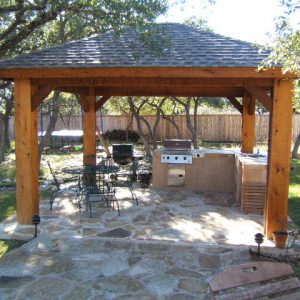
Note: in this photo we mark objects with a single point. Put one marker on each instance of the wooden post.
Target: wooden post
(89, 130)
(27, 167)
(276, 205)
(248, 124)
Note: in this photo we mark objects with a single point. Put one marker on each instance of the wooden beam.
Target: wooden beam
(154, 81)
(73, 90)
(204, 91)
(248, 124)
(207, 91)
(101, 102)
(144, 72)
(261, 95)
(236, 104)
(26, 130)
(252, 106)
(84, 103)
(89, 132)
(41, 93)
(276, 205)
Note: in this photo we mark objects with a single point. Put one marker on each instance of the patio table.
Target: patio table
(81, 170)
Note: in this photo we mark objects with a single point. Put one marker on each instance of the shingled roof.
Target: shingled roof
(185, 47)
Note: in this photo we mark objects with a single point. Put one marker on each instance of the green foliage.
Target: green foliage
(69, 105)
(34, 25)
(122, 135)
(294, 192)
(285, 48)
(7, 171)
(198, 23)
(8, 245)
(116, 105)
(7, 205)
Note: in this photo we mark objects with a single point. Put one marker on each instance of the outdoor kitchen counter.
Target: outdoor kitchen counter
(251, 182)
(212, 172)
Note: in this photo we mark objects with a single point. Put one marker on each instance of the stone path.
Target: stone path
(181, 216)
(103, 268)
(168, 247)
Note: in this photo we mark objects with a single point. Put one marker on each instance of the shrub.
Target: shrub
(122, 135)
(7, 172)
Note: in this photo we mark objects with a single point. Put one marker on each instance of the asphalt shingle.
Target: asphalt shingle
(184, 46)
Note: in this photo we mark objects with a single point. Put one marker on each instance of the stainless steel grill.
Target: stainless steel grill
(177, 152)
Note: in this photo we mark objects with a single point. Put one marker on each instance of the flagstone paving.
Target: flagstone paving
(167, 247)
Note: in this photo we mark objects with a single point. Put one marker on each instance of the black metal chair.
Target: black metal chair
(96, 188)
(125, 179)
(57, 184)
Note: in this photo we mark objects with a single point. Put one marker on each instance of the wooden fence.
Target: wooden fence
(216, 128)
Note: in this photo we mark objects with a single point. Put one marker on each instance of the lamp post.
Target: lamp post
(259, 238)
(35, 221)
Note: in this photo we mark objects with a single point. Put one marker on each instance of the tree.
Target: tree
(136, 113)
(285, 50)
(198, 23)
(21, 19)
(30, 25)
(190, 103)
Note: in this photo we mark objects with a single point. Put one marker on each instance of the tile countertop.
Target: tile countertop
(254, 159)
(257, 159)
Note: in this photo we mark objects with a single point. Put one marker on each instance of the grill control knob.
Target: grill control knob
(176, 157)
(184, 157)
(168, 157)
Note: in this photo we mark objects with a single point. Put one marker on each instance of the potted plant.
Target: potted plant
(280, 238)
(144, 174)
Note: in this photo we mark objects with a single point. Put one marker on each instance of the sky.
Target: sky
(248, 20)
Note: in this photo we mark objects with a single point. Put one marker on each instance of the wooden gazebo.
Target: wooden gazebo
(191, 63)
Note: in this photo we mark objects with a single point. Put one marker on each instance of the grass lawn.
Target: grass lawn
(294, 193)
(8, 208)
(7, 245)
(7, 204)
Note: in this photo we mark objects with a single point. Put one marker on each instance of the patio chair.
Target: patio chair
(97, 189)
(125, 179)
(57, 184)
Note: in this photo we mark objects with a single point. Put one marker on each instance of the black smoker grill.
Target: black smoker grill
(122, 153)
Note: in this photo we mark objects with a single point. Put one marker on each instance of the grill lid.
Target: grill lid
(122, 150)
(178, 145)
(123, 153)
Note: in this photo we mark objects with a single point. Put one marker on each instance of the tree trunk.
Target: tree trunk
(189, 123)
(2, 137)
(53, 119)
(139, 126)
(148, 127)
(196, 105)
(296, 147)
(173, 122)
(103, 142)
(7, 115)
(154, 133)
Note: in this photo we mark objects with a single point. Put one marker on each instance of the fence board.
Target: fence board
(215, 128)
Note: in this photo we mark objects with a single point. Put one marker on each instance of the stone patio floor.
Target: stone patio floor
(167, 247)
